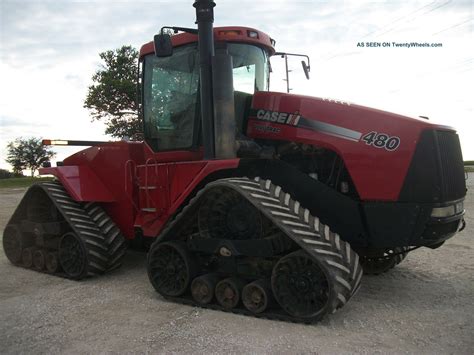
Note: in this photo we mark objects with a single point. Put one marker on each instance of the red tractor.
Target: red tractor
(258, 202)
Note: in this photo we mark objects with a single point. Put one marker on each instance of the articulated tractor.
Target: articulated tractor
(251, 201)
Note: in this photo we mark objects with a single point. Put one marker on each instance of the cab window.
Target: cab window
(171, 99)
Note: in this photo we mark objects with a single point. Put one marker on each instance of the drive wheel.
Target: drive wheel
(170, 268)
(72, 256)
(12, 243)
(226, 214)
(378, 263)
(300, 286)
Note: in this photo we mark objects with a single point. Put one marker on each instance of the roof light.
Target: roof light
(252, 34)
(230, 33)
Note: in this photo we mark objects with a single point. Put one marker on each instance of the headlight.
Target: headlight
(447, 211)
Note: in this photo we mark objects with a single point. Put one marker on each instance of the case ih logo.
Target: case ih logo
(291, 119)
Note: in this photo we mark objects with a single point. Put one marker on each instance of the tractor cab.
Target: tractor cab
(171, 105)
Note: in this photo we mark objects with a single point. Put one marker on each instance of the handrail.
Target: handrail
(129, 165)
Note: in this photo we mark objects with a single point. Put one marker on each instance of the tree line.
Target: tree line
(112, 98)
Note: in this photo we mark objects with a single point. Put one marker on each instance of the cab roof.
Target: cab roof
(225, 34)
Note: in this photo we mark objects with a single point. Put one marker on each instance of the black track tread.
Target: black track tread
(80, 223)
(334, 255)
(114, 239)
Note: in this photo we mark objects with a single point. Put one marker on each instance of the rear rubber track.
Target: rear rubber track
(101, 240)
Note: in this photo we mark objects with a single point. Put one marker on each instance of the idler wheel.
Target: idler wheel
(27, 257)
(39, 257)
(52, 262)
(257, 296)
(72, 256)
(170, 268)
(12, 243)
(225, 214)
(202, 288)
(228, 292)
(300, 286)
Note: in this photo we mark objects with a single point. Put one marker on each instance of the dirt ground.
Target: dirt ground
(425, 305)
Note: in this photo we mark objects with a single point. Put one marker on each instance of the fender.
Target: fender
(81, 183)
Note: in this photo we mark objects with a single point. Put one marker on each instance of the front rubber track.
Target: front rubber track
(333, 255)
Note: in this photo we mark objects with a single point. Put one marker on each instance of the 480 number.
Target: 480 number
(381, 140)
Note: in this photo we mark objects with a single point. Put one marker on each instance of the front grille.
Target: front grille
(436, 172)
(451, 166)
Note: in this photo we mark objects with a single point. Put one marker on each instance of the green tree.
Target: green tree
(112, 98)
(27, 153)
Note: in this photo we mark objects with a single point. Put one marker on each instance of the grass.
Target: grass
(469, 166)
(21, 182)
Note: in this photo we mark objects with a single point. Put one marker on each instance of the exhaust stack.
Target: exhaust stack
(217, 89)
(204, 20)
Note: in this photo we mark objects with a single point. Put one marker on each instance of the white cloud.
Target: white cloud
(49, 51)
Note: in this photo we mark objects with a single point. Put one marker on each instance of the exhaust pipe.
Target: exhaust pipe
(217, 88)
(204, 20)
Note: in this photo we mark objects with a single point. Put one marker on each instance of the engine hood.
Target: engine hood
(376, 146)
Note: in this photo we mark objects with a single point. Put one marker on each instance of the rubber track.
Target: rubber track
(114, 239)
(82, 224)
(328, 250)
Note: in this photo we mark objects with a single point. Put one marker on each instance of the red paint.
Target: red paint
(117, 175)
(240, 34)
(81, 183)
(378, 174)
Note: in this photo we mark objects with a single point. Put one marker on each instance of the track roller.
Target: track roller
(27, 257)
(39, 261)
(228, 292)
(257, 296)
(52, 262)
(202, 288)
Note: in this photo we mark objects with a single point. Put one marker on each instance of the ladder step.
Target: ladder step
(148, 209)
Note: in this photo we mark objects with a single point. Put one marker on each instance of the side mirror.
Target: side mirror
(305, 69)
(163, 46)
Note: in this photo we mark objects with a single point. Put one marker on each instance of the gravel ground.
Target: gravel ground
(425, 305)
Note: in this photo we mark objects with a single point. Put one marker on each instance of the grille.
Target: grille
(436, 172)
(451, 167)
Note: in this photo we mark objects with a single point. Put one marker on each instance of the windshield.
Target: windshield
(171, 87)
(250, 68)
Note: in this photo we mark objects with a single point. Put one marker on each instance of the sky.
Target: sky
(49, 52)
